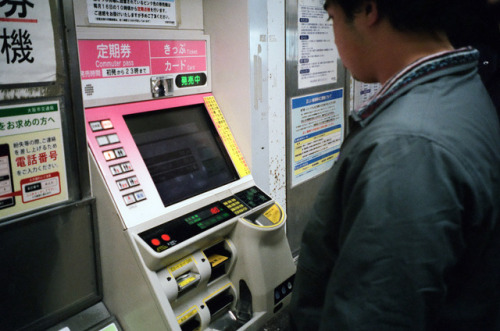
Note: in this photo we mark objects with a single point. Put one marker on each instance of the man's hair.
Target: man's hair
(406, 15)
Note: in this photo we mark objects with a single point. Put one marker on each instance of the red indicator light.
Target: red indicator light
(165, 237)
(214, 210)
(155, 242)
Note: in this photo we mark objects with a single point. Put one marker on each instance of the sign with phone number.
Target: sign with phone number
(32, 162)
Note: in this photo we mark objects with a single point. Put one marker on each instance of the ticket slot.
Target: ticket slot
(266, 217)
(219, 258)
(220, 303)
(186, 281)
(183, 276)
(193, 323)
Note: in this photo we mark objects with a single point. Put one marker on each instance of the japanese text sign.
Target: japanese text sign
(132, 12)
(27, 53)
(32, 163)
(112, 58)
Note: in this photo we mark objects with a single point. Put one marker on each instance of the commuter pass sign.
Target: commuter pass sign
(121, 68)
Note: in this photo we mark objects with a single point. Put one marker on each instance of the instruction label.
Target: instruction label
(181, 264)
(317, 133)
(133, 12)
(273, 214)
(317, 63)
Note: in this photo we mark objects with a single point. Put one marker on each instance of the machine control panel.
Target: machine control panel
(180, 229)
(108, 140)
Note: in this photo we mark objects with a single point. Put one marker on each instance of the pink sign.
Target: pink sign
(119, 58)
(177, 48)
(178, 65)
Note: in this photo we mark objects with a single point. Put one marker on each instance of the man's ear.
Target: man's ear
(370, 11)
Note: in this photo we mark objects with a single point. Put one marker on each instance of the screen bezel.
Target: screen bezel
(141, 213)
(198, 111)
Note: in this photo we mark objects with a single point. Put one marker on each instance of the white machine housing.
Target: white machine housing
(168, 267)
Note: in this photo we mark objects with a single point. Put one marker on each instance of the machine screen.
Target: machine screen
(182, 151)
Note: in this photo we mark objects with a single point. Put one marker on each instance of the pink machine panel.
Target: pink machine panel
(119, 159)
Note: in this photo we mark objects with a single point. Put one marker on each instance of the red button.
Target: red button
(155, 242)
(165, 237)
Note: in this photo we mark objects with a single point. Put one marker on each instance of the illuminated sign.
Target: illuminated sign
(190, 80)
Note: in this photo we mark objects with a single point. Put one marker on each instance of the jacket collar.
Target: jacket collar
(419, 72)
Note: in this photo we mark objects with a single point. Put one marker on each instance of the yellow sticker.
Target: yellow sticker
(187, 281)
(273, 214)
(216, 259)
(180, 264)
(226, 136)
(187, 316)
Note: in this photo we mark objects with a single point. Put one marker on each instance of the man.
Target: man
(406, 233)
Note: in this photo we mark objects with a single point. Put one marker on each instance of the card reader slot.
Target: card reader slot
(220, 303)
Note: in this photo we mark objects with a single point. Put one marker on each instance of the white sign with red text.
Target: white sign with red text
(133, 12)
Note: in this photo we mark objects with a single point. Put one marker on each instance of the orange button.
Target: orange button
(106, 124)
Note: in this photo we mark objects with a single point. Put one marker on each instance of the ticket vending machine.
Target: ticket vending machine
(187, 239)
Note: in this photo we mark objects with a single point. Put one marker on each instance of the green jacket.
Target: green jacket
(406, 230)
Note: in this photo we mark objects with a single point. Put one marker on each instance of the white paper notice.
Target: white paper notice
(134, 12)
(363, 92)
(27, 53)
(317, 52)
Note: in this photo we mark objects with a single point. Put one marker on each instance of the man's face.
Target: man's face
(349, 39)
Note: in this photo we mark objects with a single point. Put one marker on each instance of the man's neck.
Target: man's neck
(396, 50)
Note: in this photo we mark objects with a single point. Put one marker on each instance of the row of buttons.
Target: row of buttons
(112, 154)
(235, 206)
(107, 139)
(164, 237)
(101, 125)
(120, 168)
(127, 182)
(134, 197)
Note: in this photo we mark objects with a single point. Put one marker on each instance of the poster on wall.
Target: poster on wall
(133, 12)
(317, 131)
(32, 163)
(27, 52)
(317, 63)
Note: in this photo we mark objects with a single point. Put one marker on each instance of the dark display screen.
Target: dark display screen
(182, 151)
